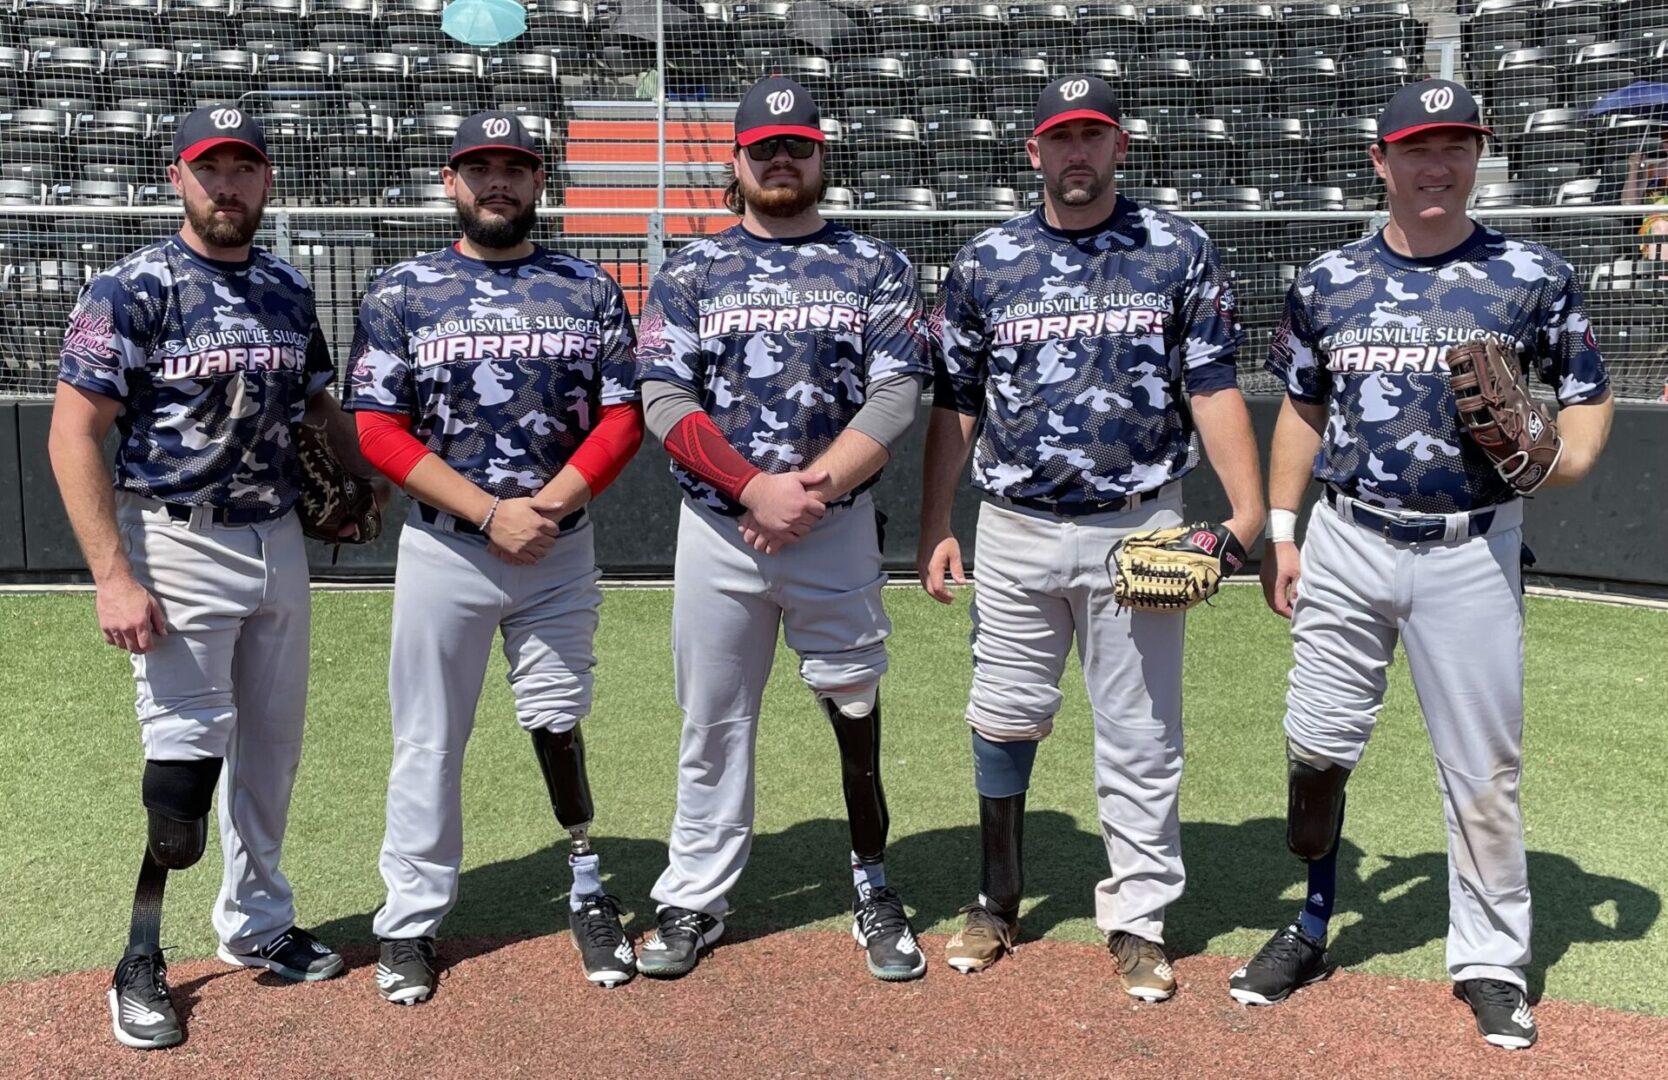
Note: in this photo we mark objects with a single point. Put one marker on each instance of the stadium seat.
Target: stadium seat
(837, 199)
(886, 144)
(1598, 69)
(907, 31)
(1244, 29)
(974, 28)
(1340, 145)
(764, 25)
(1159, 198)
(1273, 151)
(1224, 197)
(948, 86)
(1525, 83)
(1385, 27)
(13, 81)
(373, 83)
(877, 82)
(1307, 87)
(1298, 241)
(1495, 28)
(1373, 79)
(1195, 151)
(20, 193)
(32, 145)
(413, 22)
(931, 280)
(124, 24)
(1315, 29)
(963, 145)
(449, 81)
(1046, 31)
(1107, 68)
(1164, 87)
(1566, 25)
(64, 78)
(355, 158)
(345, 27)
(271, 26)
(52, 24)
(902, 233)
(1235, 86)
(218, 76)
(199, 26)
(151, 75)
(115, 147)
(1110, 30)
(1015, 82)
(1642, 19)
(1182, 29)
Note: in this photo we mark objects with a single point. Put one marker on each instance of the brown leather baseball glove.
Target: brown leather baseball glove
(332, 498)
(1172, 569)
(1513, 429)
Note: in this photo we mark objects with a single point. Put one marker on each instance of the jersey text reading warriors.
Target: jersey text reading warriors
(1086, 338)
(1367, 331)
(212, 362)
(782, 340)
(505, 365)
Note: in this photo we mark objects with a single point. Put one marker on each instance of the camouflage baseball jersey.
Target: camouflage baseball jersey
(1086, 339)
(504, 365)
(782, 340)
(1367, 331)
(212, 362)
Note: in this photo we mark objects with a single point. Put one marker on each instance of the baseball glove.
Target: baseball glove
(1172, 569)
(1514, 430)
(332, 498)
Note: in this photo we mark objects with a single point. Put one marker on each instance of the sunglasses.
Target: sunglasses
(798, 148)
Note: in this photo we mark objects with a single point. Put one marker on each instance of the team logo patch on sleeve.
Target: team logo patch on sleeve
(93, 338)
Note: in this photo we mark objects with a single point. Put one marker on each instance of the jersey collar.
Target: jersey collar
(1480, 237)
(222, 266)
(822, 234)
(1120, 209)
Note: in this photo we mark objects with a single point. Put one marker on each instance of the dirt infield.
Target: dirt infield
(799, 1005)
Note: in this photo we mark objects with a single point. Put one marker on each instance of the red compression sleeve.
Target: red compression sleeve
(610, 445)
(697, 444)
(387, 443)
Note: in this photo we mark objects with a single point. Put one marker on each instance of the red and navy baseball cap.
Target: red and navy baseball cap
(1076, 97)
(493, 130)
(217, 125)
(777, 106)
(1427, 105)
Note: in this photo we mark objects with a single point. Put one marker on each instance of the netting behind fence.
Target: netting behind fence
(1237, 111)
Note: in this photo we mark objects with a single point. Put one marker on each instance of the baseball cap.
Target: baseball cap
(1076, 97)
(1432, 103)
(493, 130)
(777, 106)
(217, 125)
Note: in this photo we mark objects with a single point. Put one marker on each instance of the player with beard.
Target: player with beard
(493, 380)
(781, 360)
(204, 353)
(1080, 346)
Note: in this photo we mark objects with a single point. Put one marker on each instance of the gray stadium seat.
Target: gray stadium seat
(1249, 30)
(1048, 31)
(1113, 30)
(1315, 29)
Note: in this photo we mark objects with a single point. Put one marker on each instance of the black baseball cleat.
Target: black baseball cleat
(1502, 1011)
(295, 954)
(880, 926)
(675, 947)
(141, 1012)
(602, 943)
(406, 970)
(1290, 961)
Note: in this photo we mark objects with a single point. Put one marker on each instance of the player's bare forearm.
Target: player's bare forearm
(1291, 460)
(949, 438)
(1585, 429)
(567, 491)
(434, 482)
(323, 410)
(1231, 445)
(75, 445)
(851, 459)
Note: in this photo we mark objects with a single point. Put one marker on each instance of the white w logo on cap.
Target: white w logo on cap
(496, 127)
(225, 119)
(1073, 90)
(779, 102)
(1438, 100)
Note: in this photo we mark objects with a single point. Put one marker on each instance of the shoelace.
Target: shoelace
(1286, 950)
(983, 921)
(154, 962)
(1494, 992)
(601, 923)
(406, 950)
(686, 925)
(882, 914)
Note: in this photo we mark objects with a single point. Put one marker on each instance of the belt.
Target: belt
(1115, 506)
(439, 518)
(1412, 528)
(224, 515)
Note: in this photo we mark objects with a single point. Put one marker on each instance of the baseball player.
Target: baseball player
(493, 381)
(1416, 536)
(1082, 343)
(781, 360)
(204, 353)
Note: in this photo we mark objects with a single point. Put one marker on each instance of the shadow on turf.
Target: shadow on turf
(1237, 875)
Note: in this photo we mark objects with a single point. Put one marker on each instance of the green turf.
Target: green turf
(1593, 796)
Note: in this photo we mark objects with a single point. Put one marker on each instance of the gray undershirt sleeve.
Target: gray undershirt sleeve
(664, 404)
(889, 410)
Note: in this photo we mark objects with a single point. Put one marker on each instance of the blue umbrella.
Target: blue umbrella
(484, 22)
(1642, 97)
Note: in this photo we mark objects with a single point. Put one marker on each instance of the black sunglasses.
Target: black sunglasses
(798, 148)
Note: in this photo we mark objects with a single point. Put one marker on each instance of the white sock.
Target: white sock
(867, 877)
(587, 878)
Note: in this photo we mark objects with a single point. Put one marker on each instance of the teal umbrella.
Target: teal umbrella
(484, 22)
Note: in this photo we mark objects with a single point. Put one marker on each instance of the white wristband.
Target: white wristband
(486, 522)
(1282, 526)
